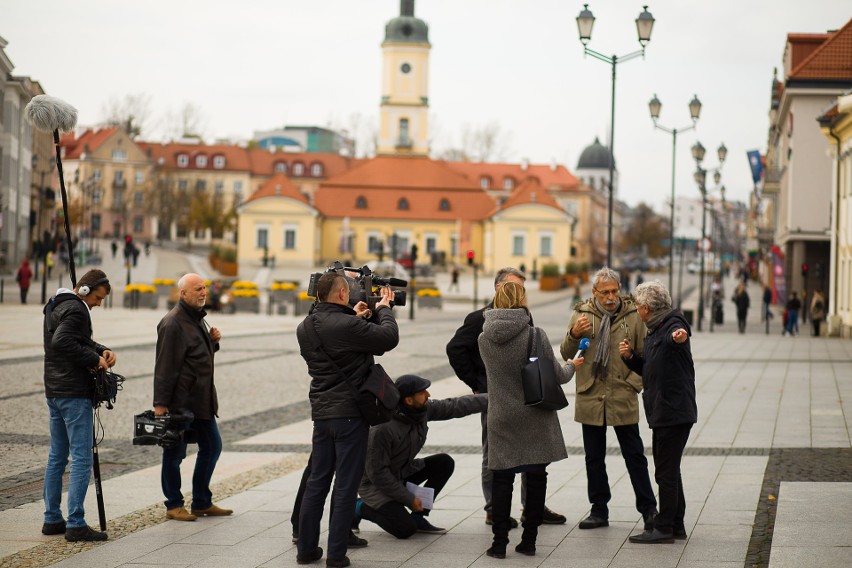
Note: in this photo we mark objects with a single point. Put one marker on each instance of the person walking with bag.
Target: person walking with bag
(741, 299)
(608, 395)
(521, 439)
(817, 311)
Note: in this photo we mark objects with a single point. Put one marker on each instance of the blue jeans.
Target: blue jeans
(339, 448)
(209, 448)
(633, 452)
(70, 434)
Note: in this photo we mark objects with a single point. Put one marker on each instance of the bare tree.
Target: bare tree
(645, 232)
(484, 143)
(187, 122)
(131, 112)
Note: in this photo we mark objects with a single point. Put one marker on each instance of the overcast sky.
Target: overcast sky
(260, 64)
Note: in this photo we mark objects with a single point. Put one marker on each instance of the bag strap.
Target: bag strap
(530, 342)
(309, 326)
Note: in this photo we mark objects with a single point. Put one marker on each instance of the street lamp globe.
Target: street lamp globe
(700, 176)
(654, 106)
(695, 108)
(698, 152)
(585, 22)
(722, 152)
(644, 25)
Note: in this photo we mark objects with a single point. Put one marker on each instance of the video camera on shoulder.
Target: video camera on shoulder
(364, 286)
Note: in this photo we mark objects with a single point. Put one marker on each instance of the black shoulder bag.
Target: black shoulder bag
(376, 398)
(541, 387)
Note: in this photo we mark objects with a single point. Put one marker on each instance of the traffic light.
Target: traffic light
(470, 257)
(804, 270)
(414, 253)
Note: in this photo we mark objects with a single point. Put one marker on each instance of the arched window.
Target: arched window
(298, 169)
(201, 161)
(361, 202)
(182, 160)
(316, 169)
(508, 183)
(444, 205)
(218, 162)
(280, 167)
(402, 204)
(485, 182)
(404, 139)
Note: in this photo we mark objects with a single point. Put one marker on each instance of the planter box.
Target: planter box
(301, 307)
(228, 268)
(134, 300)
(246, 304)
(281, 296)
(549, 283)
(430, 302)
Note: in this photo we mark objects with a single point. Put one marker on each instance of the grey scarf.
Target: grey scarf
(600, 363)
(655, 319)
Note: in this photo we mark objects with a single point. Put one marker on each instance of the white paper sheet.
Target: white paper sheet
(425, 494)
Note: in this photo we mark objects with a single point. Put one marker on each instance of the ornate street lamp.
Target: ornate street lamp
(644, 26)
(700, 177)
(694, 111)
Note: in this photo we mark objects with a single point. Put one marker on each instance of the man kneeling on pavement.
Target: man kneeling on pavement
(392, 462)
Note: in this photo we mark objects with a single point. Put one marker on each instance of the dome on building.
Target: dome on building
(595, 156)
(405, 28)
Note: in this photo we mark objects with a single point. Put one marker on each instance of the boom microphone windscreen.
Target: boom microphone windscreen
(50, 114)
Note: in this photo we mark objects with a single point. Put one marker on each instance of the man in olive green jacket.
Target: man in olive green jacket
(607, 393)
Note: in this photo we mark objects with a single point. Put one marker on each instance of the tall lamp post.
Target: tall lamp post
(694, 111)
(700, 177)
(644, 25)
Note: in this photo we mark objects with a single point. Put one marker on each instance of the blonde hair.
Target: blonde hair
(510, 295)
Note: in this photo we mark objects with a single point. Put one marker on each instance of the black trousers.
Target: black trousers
(504, 480)
(394, 517)
(633, 452)
(668, 445)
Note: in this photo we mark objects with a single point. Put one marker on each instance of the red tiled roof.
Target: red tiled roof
(279, 186)
(530, 191)
(165, 155)
(832, 59)
(549, 177)
(263, 162)
(91, 139)
(384, 180)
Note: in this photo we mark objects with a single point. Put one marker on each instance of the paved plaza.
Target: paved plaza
(767, 470)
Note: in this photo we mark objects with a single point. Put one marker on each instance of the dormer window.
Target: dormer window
(201, 161)
(298, 169)
(444, 205)
(508, 183)
(280, 167)
(182, 160)
(361, 202)
(402, 204)
(316, 169)
(485, 182)
(218, 162)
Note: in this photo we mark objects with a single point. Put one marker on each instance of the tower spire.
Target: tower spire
(406, 8)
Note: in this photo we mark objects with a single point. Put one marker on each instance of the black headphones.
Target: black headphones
(86, 289)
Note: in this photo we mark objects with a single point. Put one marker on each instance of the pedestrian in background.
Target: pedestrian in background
(70, 355)
(668, 377)
(607, 395)
(817, 311)
(522, 439)
(741, 299)
(791, 325)
(23, 277)
(183, 380)
(767, 301)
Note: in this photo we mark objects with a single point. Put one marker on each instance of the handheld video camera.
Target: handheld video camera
(166, 431)
(363, 287)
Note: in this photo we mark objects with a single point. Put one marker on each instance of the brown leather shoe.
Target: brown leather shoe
(212, 511)
(180, 514)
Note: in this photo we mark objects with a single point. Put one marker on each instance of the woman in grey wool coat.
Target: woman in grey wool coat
(521, 439)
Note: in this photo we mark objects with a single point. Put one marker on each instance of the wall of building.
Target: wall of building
(278, 216)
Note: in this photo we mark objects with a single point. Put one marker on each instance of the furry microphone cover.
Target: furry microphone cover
(49, 114)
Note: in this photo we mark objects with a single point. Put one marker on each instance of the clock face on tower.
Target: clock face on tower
(405, 68)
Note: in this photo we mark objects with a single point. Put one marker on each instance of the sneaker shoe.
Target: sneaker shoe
(593, 522)
(337, 562)
(649, 520)
(84, 534)
(513, 522)
(180, 514)
(652, 537)
(212, 511)
(424, 526)
(356, 542)
(310, 557)
(51, 529)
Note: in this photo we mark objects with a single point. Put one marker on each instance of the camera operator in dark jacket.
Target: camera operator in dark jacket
(70, 359)
(337, 368)
(392, 458)
(183, 381)
(668, 378)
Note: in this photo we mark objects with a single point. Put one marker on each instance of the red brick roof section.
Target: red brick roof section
(263, 162)
(279, 186)
(383, 181)
(558, 178)
(530, 191)
(91, 139)
(166, 155)
(832, 59)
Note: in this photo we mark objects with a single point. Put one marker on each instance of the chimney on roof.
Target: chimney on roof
(553, 165)
(525, 164)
